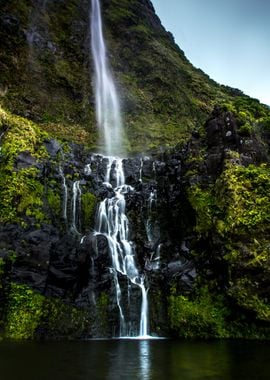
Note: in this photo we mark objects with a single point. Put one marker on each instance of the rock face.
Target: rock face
(194, 259)
(199, 212)
(61, 261)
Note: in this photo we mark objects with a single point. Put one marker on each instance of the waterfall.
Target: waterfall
(76, 200)
(108, 113)
(65, 193)
(112, 222)
(149, 222)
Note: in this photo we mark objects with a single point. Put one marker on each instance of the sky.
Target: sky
(228, 39)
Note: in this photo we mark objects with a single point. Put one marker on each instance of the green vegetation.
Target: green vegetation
(28, 312)
(24, 312)
(204, 203)
(54, 201)
(245, 291)
(63, 320)
(102, 314)
(21, 194)
(251, 115)
(236, 204)
(201, 317)
(207, 315)
(243, 194)
(21, 191)
(235, 211)
(88, 204)
(164, 97)
(47, 80)
(2, 269)
(20, 135)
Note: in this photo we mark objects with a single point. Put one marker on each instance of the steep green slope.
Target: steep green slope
(44, 65)
(46, 69)
(165, 95)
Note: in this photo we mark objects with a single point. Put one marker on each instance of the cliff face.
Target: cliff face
(199, 220)
(203, 245)
(46, 72)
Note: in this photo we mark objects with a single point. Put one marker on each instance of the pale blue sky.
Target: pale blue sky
(228, 39)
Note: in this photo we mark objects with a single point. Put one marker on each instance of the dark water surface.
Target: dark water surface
(131, 359)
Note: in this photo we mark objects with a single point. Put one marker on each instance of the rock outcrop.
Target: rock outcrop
(194, 258)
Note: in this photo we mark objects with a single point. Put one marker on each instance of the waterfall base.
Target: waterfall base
(112, 223)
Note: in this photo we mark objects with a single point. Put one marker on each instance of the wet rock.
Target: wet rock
(53, 147)
(32, 257)
(132, 169)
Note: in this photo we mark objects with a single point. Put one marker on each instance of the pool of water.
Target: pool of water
(135, 359)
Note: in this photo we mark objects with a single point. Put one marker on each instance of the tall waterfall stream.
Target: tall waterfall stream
(111, 220)
(108, 112)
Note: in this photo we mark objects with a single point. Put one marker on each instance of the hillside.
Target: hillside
(46, 68)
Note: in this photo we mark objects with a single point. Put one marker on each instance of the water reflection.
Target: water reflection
(145, 359)
(199, 361)
(135, 360)
(129, 359)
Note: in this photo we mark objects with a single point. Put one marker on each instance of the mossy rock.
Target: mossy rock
(30, 315)
(88, 205)
(21, 190)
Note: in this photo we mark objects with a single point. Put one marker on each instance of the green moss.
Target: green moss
(245, 130)
(198, 318)
(234, 211)
(237, 202)
(24, 312)
(20, 135)
(251, 116)
(21, 195)
(51, 83)
(1, 265)
(208, 315)
(243, 290)
(29, 315)
(88, 206)
(70, 132)
(204, 203)
(265, 124)
(103, 314)
(54, 201)
(243, 196)
(60, 320)
(21, 190)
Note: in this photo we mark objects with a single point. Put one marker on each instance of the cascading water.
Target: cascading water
(107, 103)
(76, 200)
(113, 223)
(65, 193)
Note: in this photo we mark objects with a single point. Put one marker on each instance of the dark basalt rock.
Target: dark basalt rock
(24, 160)
(222, 137)
(59, 261)
(53, 147)
(132, 170)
